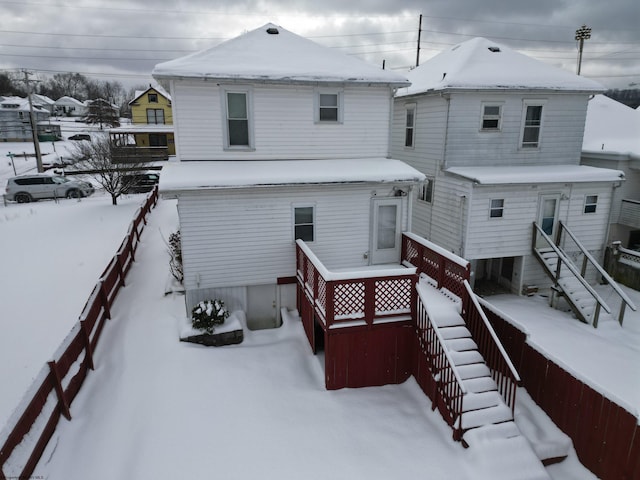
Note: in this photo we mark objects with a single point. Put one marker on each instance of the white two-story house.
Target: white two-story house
(278, 138)
(499, 136)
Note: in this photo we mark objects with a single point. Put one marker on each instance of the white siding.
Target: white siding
(429, 133)
(561, 134)
(445, 218)
(283, 123)
(511, 234)
(241, 237)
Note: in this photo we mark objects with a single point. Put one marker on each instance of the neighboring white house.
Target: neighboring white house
(612, 140)
(278, 138)
(69, 107)
(499, 135)
(15, 122)
(44, 102)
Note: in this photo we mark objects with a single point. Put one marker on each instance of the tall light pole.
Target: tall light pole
(582, 34)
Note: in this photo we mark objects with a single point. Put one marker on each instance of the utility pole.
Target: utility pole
(582, 34)
(419, 35)
(34, 124)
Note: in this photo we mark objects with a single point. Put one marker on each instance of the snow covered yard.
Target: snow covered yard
(52, 256)
(158, 408)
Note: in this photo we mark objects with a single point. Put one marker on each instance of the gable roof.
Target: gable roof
(272, 54)
(157, 88)
(20, 104)
(66, 100)
(611, 127)
(482, 64)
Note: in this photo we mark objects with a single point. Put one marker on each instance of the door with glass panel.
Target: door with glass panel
(386, 242)
(548, 217)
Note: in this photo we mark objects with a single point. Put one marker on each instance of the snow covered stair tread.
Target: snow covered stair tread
(477, 401)
(485, 416)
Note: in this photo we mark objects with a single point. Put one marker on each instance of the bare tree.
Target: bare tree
(98, 159)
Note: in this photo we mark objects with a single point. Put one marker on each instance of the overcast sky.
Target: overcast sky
(124, 39)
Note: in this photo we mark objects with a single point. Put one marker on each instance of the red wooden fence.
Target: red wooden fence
(606, 436)
(27, 433)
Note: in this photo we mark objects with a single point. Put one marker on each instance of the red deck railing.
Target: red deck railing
(502, 370)
(448, 270)
(448, 390)
(356, 297)
(29, 430)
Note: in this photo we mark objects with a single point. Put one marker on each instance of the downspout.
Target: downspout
(443, 163)
(176, 135)
(390, 129)
(610, 216)
(410, 208)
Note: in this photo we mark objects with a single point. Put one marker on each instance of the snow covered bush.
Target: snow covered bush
(175, 252)
(208, 313)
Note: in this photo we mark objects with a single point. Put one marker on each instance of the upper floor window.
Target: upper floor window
(237, 119)
(531, 126)
(497, 208)
(329, 107)
(410, 124)
(152, 97)
(491, 117)
(155, 116)
(590, 203)
(303, 223)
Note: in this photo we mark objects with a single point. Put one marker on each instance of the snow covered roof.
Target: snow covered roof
(611, 127)
(20, 104)
(66, 100)
(272, 54)
(482, 64)
(537, 174)
(196, 175)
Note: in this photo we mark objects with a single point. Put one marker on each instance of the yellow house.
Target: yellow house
(152, 119)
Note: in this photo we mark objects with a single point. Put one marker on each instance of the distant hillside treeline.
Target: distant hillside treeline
(630, 97)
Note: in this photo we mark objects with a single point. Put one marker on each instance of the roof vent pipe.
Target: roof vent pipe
(272, 31)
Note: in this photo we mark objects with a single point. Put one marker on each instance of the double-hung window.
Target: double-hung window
(532, 124)
(491, 117)
(590, 203)
(328, 107)
(303, 223)
(238, 133)
(155, 116)
(410, 123)
(496, 209)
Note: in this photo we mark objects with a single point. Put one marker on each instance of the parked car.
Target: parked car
(27, 188)
(140, 182)
(80, 136)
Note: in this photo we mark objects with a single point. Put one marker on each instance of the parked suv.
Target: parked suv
(27, 188)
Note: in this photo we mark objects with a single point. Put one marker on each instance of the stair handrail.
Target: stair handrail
(602, 271)
(492, 332)
(572, 268)
(441, 341)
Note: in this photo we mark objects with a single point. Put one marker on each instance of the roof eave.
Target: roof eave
(280, 81)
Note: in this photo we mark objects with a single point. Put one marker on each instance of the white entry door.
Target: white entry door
(548, 217)
(387, 219)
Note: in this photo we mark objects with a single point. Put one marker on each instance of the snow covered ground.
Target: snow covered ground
(158, 408)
